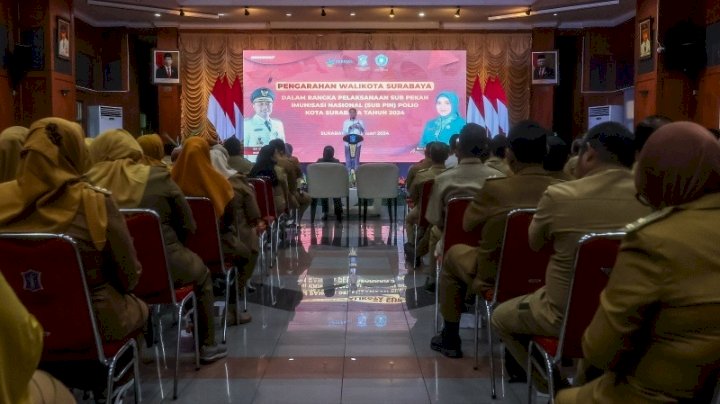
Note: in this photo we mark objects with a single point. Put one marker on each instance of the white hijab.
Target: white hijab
(219, 159)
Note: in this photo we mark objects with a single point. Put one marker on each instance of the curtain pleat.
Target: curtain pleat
(207, 56)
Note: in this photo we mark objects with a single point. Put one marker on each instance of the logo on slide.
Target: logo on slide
(381, 60)
(362, 60)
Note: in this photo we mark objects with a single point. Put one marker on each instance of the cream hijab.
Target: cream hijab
(219, 159)
(116, 157)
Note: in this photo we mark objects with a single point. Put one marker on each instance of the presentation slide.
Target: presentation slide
(403, 100)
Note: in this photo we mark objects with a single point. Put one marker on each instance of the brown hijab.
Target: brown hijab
(11, 143)
(678, 164)
(153, 149)
(196, 176)
(50, 188)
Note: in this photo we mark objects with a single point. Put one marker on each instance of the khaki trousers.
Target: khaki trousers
(458, 272)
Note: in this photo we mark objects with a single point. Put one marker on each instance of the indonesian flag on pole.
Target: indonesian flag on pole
(496, 95)
(217, 112)
(237, 105)
(476, 108)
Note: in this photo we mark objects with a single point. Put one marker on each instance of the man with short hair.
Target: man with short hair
(167, 70)
(452, 159)
(353, 131)
(260, 129)
(476, 266)
(498, 145)
(426, 162)
(647, 127)
(602, 199)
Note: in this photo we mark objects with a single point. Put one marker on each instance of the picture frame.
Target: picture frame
(63, 39)
(646, 38)
(166, 66)
(544, 67)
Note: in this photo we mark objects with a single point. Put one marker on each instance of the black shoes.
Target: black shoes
(448, 346)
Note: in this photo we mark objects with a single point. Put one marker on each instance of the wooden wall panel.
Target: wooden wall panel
(169, 96)
(542, 96)
(708, 98)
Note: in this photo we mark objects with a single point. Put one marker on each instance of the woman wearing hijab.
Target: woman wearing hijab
(153, 150)
(118, 166)
(234, 203)
(656, 333)
(447, 123)
(328, 157)
(11, 143)
(50, 195)
(266, 166)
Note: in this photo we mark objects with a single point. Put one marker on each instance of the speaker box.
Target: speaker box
(685, 48)
(19, 63)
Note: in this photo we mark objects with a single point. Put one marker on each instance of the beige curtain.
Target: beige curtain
(206, 56)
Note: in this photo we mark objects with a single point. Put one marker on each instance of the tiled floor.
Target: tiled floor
(323, 333)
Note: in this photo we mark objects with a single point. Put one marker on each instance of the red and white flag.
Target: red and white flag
(220, 110)
(237, 105)
(475, 108)
(495, 94)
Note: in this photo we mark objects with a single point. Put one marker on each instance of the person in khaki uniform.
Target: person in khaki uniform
(656, 333)
(11, 143)
(475, 266)
(118, 166)
(291, 165)
(602, 199)
(438, 155)
(266, 166)
(466, 179)
(236, 160)
(423, 164)
(51, 195)
(498, 145)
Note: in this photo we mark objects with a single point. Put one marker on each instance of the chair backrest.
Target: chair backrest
(377, 180)
(47, 274)
(327, 180)
(205, 242)
(425, 192)
(454, 232)
(594, 260)
(264, 195)
(156, 284)
(521, 270)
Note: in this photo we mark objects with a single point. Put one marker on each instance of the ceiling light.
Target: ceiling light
(323, 13)
(158, 15)
(182, 13)
(158, 10)
(392, 12)
(352, 14)
(221, 14)
(288, 14)
(421, 14)
(555, 14)
(457, 13)
(247, 12)
(555, 10)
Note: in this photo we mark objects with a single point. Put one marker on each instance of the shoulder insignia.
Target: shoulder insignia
(646, 220)
(100, 189)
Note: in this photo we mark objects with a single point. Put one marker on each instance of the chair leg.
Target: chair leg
(395, 203)
(529, 374)
(476, 336)
(225, 312)
(177, 351)
(347, 208)
(437, 298)
(550, 376)
(390, 213)
(493, 387)
(196, 334)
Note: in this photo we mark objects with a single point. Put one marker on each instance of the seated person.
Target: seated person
(571, 164)
(426, 162)
(329, 157)
(11, 143)
(602, 199)
(475, 267)
(236, 160)
(655, 333)
(498, 145)
(298, 199)
(646, 128)
(557, 157)
(235, 207)
(21, 345)
(118, 166)
(266, 166)
(153, 150)
(452, 159)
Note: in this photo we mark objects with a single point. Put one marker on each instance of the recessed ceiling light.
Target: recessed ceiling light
(288, 14)
(221, 14)
(421, 14)
(323, 13)
(392, 12)
(555, 14)
(247, 12)
(457, 13)
(352, 14)
(157, 15)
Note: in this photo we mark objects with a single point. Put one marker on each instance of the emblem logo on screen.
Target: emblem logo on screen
(362, 60)
(381, 60)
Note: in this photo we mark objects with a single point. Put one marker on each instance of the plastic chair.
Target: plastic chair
(328, 180)
(521, 271)
(422, 221)
(454, 234)
(47, 274)
(378, 180)
(206, 243)
(594, 260)
(156, 285)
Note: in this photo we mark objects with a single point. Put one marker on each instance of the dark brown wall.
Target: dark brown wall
(7, 99)
(542, 96)
(168, 95)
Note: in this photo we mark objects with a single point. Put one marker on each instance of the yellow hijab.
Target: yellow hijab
(196, 176)
(116, 157)
(153, 149)
(11, 143)
(50, 188)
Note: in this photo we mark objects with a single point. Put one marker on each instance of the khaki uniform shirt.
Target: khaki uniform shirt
(569, 168)
(412, 172)
(603, 200)
(499, 164)
(240, 164)
(421, 178)
(489, 210)
(466, 179)
(658, 322)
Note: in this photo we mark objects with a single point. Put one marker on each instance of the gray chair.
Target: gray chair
(378, 180)
(328, 180)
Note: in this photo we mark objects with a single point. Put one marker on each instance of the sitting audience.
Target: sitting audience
(498, 145)
(11, 143)
(51, 195)
(329, 157)
(291, 166)
(426, 162)
(452, 159)
(602, 199)
(655, 333)
(266, 166)
(556, 158)
(475, 267)
(153, 150)
(571, 164)
(118, 166)
(646, 128)
(236, 160)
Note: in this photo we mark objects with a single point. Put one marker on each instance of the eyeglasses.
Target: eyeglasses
(642, 199)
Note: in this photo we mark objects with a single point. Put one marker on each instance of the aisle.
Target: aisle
(326, 333)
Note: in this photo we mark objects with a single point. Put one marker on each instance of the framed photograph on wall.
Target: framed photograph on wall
(63, 39)
(545, 67)
(646, 39)
(166, 67)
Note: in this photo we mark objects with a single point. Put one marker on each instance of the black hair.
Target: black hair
(168, 55)
(646, 127)
(428, 146)
(528, 142)
(613, 142)
(715, 132)
(278, 144)
(328, 154)
(498, 144)
(453, 142)
(264, 165)
(473, 141)
(289, 149)
(234, 146)
(558, 153)
(439, 152)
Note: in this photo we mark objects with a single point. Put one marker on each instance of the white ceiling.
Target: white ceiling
(369, 14)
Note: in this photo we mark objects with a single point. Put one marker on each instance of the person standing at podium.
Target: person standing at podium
(353, 129)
